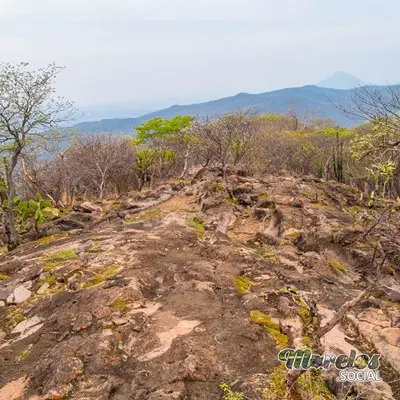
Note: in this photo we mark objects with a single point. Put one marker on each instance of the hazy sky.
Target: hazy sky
(156, 51)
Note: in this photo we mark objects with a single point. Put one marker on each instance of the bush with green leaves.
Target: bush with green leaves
(37, 210)
(230, 394)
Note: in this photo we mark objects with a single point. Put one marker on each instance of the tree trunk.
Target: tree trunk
(185, 165)
(13, 239)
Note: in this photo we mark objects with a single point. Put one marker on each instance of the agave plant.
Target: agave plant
(38, 210)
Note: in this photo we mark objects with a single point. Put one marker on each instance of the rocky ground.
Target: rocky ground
(172, 292)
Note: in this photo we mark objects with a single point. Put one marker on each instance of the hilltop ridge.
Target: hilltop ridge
(315, 101)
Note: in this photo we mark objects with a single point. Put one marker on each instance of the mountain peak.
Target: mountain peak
(341, 80)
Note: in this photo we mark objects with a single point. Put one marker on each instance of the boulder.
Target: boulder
(374, 316)
(261, 213)
(210, 203)
(27, 324)
(265, 203)
(66, 224)
(81, 217)
(177, 186)
(391, 336)
(20, 294)
(130, 204)
(238, 190)
(87, 207)
(83, 321)
(244, 199)
(392, 292)
(44, 288)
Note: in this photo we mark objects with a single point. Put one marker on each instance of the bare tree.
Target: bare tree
(380, 143)
(30, 114)
(99, 158)
(229, 138)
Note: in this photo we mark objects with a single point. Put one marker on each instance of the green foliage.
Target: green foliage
(36, 209)
(3, 277)
(50, 238)
(229, 394)
(158, 127)
(51, 280)
(121, 305)
(147, 159)
(230, 200)
(148, 215)
(62, 255)
(198, 225)
(242, 284)
(273, 329)
(313, 384)
(100, 278)
(23, 355)
(238, 146)
(15, 318)
(144, 159)
(383, 171)
(277, 384)
(379, 139)
(337, 265)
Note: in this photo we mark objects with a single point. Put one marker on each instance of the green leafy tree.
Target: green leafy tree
(159, 127)
(148, 161)
(382, 172)
(167, 134)
(30, 114)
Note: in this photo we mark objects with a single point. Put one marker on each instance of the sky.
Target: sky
(153, 53)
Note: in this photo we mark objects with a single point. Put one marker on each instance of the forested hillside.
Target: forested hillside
(312, 101)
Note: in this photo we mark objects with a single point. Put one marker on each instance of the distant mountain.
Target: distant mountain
(317, 101)
(341, 80)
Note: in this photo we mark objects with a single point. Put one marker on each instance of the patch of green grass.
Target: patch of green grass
(277, 384)
(51, 279)
(242, 284)
(312, 382)
(100, 278)
(198, 225)
(48, 267)
(148, 215)
(15, 318)
(268, 253)
(229, 394)
(230, 200)
(121, 305)
(95, 248)
(288, 290)
(263, 196)
(220, 186)
(304, 313)
(293, 236)
(273, 329)
(337, 265)
(62, 255)
(23, 355)
(50, 239)
(53, 260)
(307, 341)
(3, 277)
(307, 322)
